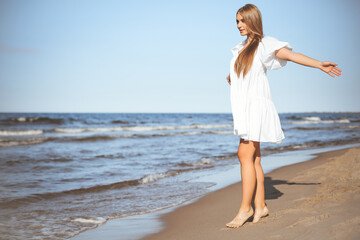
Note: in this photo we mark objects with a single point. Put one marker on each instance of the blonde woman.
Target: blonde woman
(254, 114)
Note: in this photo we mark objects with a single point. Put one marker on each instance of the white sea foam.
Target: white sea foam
(344, 120)
(114, 129)
(21, 119)
(149, 128)
(150, 178)
(352, 126)
(23, 141)
(318, 120)
(202, 161)
(312, 118)
(96, 220)
(209, 126)
(70, 130)
(25, 119)
(222, 132)
(189, 133)
(141, 128)
(21, 132)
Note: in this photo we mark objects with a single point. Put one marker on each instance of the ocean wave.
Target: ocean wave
(89, 138)
(111, 156)
(111, 137)
(12, 162)
(120, 121)
(314, 118)
(15, 202)
(70, 130)
(201, 162)
(32, 132)
(317, 120)
(204, 126)
(21, 132)
(46, 120)
(140, 128)
(56, 160)
(11, 142)
(309, 145)
(327, 128)
(147, 179)
(150, 178)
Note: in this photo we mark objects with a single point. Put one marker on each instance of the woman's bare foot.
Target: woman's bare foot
(240, 219)
(260, 213)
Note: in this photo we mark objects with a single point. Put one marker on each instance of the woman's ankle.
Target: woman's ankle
(261, 205)
(245, 209)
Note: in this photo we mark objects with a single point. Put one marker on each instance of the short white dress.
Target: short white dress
(254, 114)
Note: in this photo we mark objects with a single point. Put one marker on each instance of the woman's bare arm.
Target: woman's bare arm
(328, 67)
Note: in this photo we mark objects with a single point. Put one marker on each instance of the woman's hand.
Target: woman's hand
(329, 68)
(228, 79)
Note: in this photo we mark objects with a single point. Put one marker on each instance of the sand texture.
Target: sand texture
(317, 199)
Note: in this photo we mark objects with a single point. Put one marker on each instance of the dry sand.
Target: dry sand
(317, 199)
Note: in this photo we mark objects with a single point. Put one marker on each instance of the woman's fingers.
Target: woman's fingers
(337, 69)
(337, 72)
(334, 71)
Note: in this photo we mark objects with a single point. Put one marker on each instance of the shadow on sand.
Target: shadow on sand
(272, 193)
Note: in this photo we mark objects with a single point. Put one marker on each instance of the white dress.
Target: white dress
(254, 114)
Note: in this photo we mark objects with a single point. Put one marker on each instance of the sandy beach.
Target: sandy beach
(317, 199)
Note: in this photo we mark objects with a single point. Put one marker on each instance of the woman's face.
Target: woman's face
(241, 25)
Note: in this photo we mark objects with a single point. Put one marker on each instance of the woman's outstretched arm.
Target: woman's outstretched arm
(328, 67)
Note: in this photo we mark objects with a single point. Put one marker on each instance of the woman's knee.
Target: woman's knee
(248, 150)
(245, 156)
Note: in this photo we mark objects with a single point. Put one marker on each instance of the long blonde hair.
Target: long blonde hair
(253, 21)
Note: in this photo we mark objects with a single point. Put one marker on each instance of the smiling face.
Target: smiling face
(241, 25)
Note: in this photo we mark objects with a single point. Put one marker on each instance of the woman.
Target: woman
(254, 114)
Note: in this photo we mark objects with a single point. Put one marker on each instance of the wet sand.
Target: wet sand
(316, 199)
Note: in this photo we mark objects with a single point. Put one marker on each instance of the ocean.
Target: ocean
(64, 173)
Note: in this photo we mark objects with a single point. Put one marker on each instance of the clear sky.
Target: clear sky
(167, 56)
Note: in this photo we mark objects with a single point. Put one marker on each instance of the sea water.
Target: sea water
(64, 173)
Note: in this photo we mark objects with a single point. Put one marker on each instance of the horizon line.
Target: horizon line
(176, 112)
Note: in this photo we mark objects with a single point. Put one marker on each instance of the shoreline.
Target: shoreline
(163, 223)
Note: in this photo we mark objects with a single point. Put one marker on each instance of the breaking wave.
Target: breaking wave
(317, 120)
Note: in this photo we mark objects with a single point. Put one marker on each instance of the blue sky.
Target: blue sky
(167, 56)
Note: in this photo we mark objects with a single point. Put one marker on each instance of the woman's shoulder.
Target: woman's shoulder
(269, 43)
(268, 39)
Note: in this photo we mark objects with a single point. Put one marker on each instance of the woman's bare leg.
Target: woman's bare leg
(259, 200)
(246, 156)
(260, 207)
